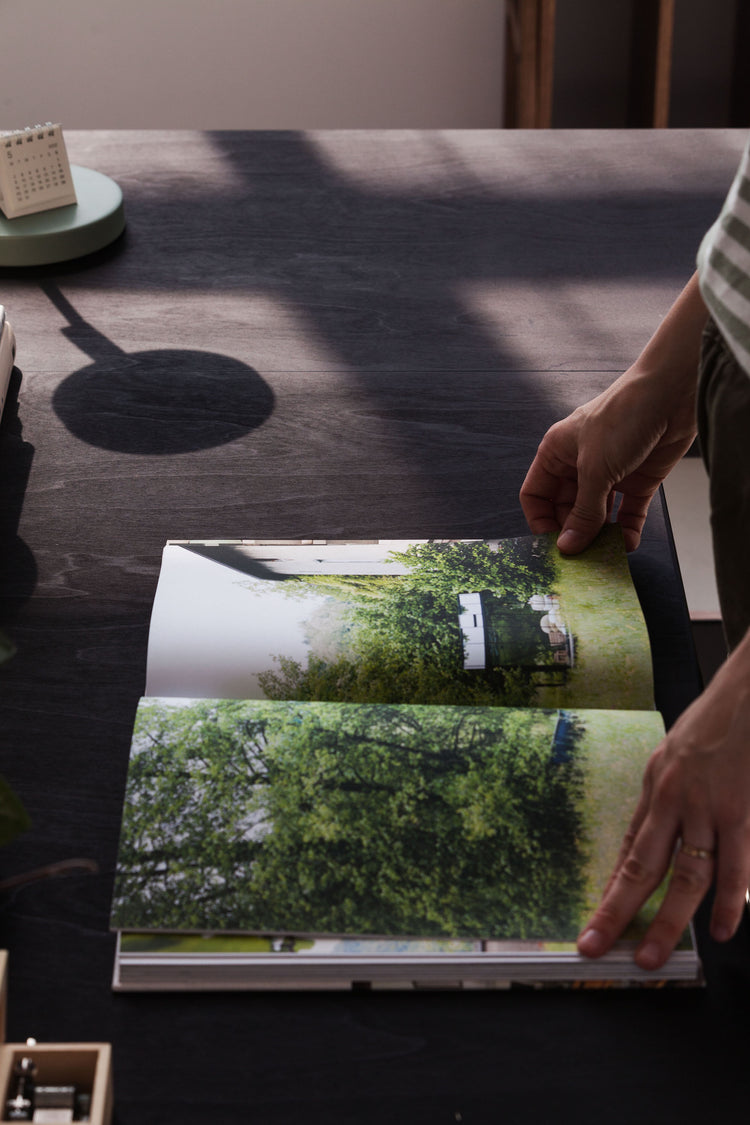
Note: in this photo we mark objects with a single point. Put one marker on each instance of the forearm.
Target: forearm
(662, 383)
(674, 349)
(728, 692)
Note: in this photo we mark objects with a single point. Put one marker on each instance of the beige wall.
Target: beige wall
(252, 63)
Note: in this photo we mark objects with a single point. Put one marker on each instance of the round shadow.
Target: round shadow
(162, 402)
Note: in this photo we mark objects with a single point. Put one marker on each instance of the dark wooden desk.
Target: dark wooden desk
(346, 334)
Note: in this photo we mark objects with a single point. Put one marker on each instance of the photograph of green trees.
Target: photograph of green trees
(509, 623)
(325, 818)
(401, 638)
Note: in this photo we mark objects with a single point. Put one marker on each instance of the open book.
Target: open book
(383, 764)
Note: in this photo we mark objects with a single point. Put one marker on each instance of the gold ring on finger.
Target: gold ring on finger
(696, 853)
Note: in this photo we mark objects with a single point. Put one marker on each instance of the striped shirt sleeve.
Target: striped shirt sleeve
(724, 266)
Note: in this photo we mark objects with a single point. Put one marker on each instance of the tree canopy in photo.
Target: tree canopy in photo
(326, 818)
(405, 643)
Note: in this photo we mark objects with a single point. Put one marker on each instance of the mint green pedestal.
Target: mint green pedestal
(66, 232)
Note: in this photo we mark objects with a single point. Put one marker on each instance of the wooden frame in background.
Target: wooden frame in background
(529, 63)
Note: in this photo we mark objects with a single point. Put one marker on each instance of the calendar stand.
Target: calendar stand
(64, 233)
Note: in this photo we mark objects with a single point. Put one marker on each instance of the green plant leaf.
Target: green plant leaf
(13, 816)
(7, 648)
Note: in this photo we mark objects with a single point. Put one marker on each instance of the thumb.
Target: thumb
(585, 519)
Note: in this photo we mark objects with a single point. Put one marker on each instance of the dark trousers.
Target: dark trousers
(724, 431)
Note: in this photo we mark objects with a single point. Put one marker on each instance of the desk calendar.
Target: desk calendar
(34, 171)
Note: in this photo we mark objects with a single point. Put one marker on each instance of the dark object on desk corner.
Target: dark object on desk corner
(13, 816)
(18, 568)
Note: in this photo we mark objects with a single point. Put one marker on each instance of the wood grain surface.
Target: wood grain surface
(338, 334)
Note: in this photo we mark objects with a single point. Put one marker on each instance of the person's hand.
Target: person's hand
(625, 440)
(696, 798)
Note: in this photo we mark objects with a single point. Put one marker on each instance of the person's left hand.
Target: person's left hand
(696, 791)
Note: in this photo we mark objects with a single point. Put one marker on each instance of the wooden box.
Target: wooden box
(86, 1065)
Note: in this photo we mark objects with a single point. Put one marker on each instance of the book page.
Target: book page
(490, 623)
(375, 821)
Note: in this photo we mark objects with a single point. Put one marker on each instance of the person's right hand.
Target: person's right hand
(696, 796)
(625, 440)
